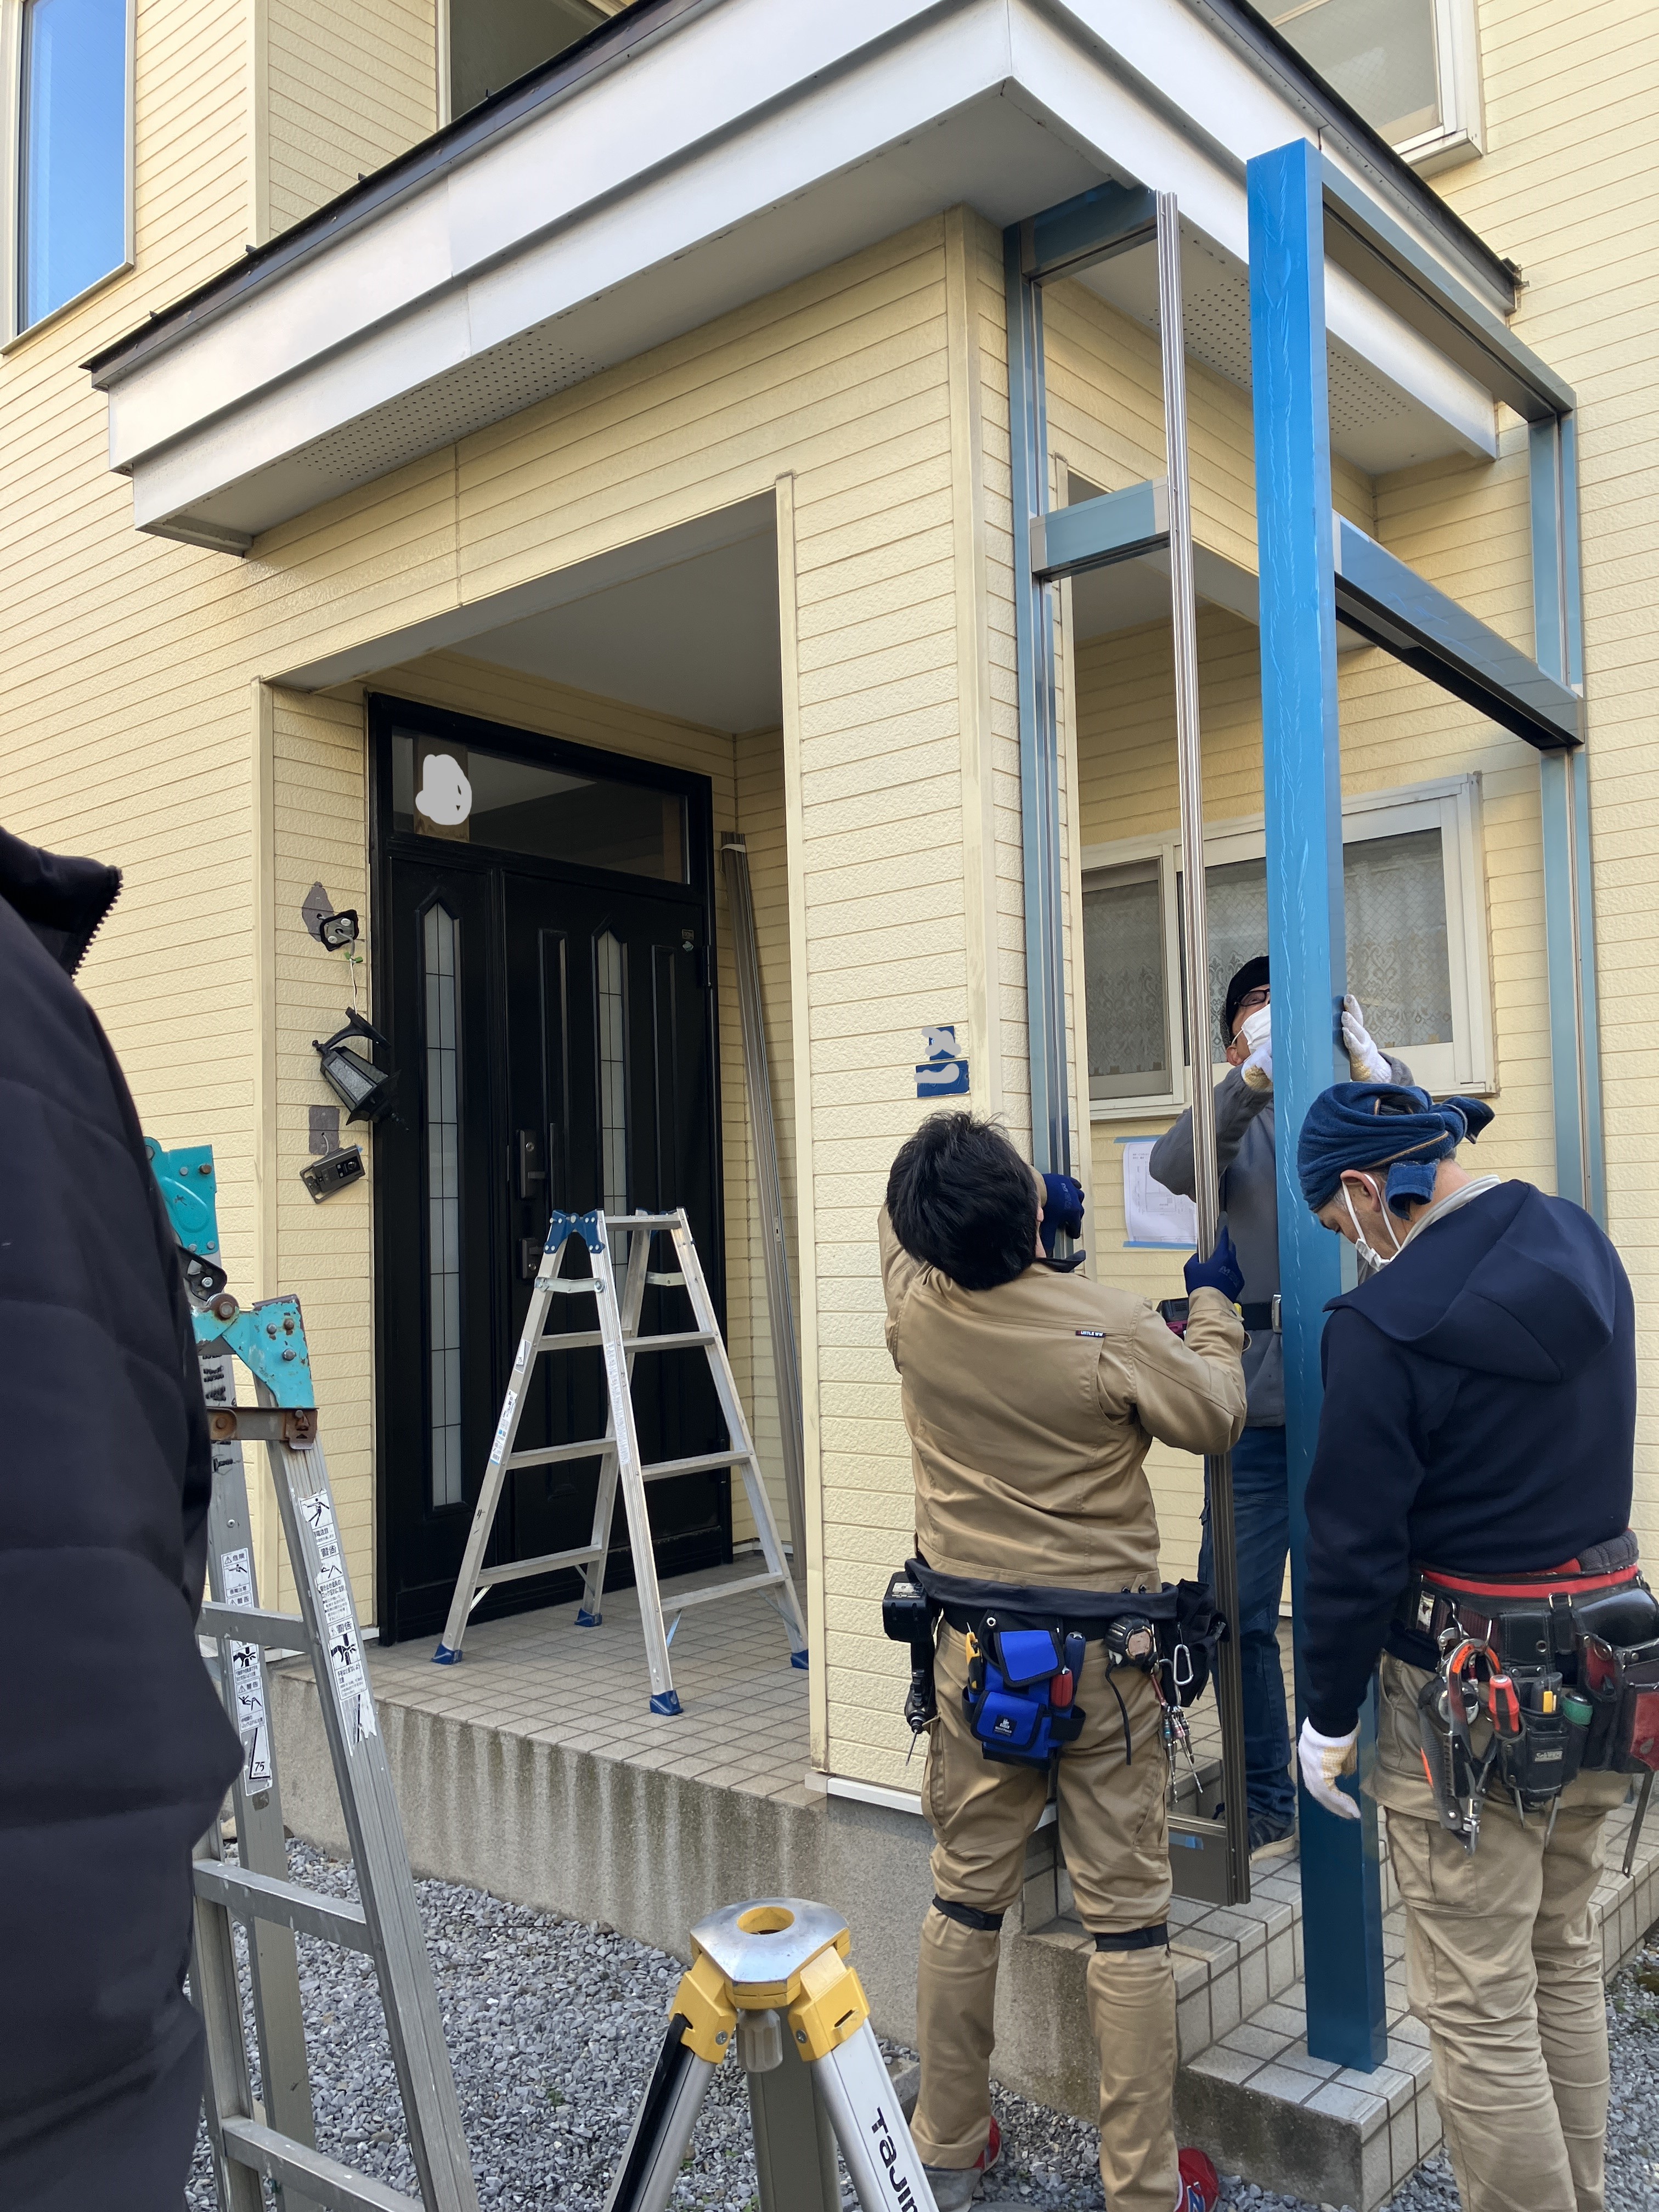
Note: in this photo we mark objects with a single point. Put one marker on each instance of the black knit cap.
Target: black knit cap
(1250, 977)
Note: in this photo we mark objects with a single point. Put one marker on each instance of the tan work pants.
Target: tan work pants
(1112, 1830)
(1503, 1967)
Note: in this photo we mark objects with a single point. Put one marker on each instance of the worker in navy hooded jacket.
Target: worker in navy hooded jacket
(114, 1752)
(1475, 1462)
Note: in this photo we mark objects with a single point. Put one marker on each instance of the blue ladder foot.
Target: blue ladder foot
(799, 1659)
(587, 1619)
(443, 1656)
(668, 1702)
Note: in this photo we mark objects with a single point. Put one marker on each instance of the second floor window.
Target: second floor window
(1410, 67)
(72, 181)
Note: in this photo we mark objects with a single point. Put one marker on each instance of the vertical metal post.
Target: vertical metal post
(1342, 1887)
(1196, 954)
(1564, 797)
(762, 1129)
(1039, 741)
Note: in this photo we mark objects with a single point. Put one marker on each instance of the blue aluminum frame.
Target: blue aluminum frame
(1303, 212)
(1307, 946)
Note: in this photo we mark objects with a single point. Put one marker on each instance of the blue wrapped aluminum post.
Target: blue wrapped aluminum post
(1563, 794)
(1341, 1885)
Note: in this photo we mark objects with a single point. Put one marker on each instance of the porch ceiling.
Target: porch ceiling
(513, 257)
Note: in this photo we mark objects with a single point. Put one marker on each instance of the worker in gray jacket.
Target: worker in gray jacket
(1249, 1210)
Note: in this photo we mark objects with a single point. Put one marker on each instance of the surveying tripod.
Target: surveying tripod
(275, 2141)
(618, 1337)
(771, 1979)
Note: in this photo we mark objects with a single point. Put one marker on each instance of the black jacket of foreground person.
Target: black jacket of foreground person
(114, 1752)
(1480, 1408)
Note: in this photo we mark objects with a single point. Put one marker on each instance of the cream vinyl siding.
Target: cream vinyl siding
(347, 84)
(875, 392)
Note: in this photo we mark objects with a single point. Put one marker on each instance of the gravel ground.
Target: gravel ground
(554, 2027)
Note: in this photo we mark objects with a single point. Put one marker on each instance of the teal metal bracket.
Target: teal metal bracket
(1301, 779)
(270, 1341)
(190, 1191)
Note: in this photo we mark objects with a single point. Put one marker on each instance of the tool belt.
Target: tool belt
(1558, 1671)
(1026, 1647)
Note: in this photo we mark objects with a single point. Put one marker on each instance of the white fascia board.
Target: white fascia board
(1229, 115)
(567, 168)
(817, 131)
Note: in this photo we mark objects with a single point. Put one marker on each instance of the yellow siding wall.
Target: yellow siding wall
(346, 87)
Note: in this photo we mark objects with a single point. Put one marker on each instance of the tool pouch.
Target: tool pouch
(1622, 1685)
(1020, 1695)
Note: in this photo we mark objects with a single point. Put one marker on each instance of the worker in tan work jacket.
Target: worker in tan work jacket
(1031, 1395)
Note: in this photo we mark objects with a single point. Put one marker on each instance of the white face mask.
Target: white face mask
(1254, 1030)
(1367, 1253)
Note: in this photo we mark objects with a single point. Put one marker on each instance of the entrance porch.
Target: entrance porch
(536, 1771)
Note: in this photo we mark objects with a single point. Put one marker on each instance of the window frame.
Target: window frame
(1460, 134)
(1450, 803)
(13, 328)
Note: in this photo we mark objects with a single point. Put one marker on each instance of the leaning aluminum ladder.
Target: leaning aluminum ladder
(618, 1337)
(276, 2141)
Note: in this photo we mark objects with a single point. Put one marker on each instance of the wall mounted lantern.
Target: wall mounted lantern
(351, 1074)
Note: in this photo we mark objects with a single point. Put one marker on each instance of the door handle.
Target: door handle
(531, 1169)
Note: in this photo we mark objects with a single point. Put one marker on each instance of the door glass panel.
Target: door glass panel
(1123, 971)
(439, 942)
(613, 1072)
(457, 791)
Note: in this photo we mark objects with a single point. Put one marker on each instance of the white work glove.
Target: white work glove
(1257, 1029)
(1323, 1759)
(1368, 1064)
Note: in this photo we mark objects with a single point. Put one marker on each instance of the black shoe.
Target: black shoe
(1266, 1828)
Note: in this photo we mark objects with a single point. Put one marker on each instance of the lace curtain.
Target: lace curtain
(1399, 965)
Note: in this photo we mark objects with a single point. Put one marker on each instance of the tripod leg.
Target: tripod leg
(795, 2143)
(661, 2133)
(884, 2164)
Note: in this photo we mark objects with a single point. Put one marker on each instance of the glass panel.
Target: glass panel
(440, 936)
(1399, 968)
(493, 42)
(1394, 895)
(1123, 981)
(73, 169)
(1378, 54)
(613, 1073)
(449, 790)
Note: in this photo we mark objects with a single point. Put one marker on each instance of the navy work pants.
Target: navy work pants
(1262, 1521)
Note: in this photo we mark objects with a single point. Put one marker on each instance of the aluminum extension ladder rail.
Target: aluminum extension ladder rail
(274, 2141)
(617, 1337)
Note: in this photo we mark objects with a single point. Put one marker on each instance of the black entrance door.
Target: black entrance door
(542, 973)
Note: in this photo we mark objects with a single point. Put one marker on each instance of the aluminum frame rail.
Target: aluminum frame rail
(1195, 962)
(762, 1130)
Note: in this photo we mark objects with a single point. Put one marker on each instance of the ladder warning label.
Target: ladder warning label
(352, 1695)
(247, 1678)
(502, 1425)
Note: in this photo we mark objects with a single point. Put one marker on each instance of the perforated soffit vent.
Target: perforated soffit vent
(511, 377)
(1217, 307)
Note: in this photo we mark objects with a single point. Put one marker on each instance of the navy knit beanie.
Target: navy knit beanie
(1382, 1124)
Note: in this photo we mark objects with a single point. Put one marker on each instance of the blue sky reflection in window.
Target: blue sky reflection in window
(74, 150)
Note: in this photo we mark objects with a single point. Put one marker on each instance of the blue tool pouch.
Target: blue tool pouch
(1021, 1690)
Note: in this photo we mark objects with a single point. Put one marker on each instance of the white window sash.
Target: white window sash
(1450, 804)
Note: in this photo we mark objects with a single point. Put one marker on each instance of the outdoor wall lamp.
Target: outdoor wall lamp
(352, 1076)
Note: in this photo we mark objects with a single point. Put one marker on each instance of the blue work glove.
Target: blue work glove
(1061, 1209)
(1220, 1271)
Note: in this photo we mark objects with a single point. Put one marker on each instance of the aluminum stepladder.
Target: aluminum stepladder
(772, 1979)
(618, 1339)
(276, 2142)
